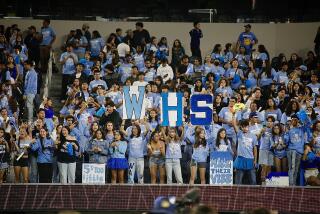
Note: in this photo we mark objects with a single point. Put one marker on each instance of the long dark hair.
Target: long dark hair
(216, 48)
(102, 133)
(199, 141)
(262, 49)
(227, 48)
(289, 109)
(266, 70)
(63, 138)
(273, 133)
(218, 138)
(139, 131)
(95, 34)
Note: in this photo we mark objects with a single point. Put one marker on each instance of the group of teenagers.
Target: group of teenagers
(266, 112)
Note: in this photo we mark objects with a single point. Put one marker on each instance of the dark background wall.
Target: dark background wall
(167, 10)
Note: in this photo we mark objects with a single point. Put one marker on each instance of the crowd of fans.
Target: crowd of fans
(266, 108)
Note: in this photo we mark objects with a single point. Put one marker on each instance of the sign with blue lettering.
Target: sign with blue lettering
(93, 173)
(221, 168)
(134, 102)
(171, 109)
(201, 109)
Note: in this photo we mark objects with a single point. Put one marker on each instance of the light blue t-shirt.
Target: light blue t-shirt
(246, 144)
(173, 150)
(47, 35)
(295, 138)
(200, 153)
(96, 46)
(231, 73)
(118, 151)
(150, 74)
(226, 114)
(136, 147)
(69, 67)
(139, 60)
(81, 50)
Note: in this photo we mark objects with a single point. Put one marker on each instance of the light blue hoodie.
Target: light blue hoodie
(45, 153)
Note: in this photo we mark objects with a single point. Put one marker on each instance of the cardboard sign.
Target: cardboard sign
(201, 109)
(171, 109)
(277, 179)
(93, 173)
(221, 168)
(134, 102)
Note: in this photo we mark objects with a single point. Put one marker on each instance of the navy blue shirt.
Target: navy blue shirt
(196, 35)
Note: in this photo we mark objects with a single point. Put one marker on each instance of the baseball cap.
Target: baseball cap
(248, 25)
(303, 67)
(163, 204)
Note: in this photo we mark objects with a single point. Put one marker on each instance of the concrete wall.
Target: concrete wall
(278, 38)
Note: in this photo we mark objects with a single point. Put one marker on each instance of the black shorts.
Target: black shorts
(22, 162)
(198, 164)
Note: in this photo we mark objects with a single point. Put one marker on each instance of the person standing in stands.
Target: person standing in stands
(66, 156)
(86, 32)
(32, 41)
(196, 35)
(44, 146)
(68, 60)
(247, 39)
(295, 138)
(48, 38)
(246, 159)
(30, 87)
(140, 36)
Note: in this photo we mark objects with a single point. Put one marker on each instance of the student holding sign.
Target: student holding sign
(173, 154)
(222, 142)
(137, 144)
(156, 151)
(199, 156)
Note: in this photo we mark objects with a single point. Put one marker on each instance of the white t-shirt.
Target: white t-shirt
(139, 83)
(165, 72)
(123, 48)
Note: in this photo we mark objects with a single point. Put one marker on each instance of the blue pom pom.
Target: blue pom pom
(302, 115)
(216, 77)
(70, 149)
(236, 79)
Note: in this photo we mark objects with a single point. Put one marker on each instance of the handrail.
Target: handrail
(47, 83)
